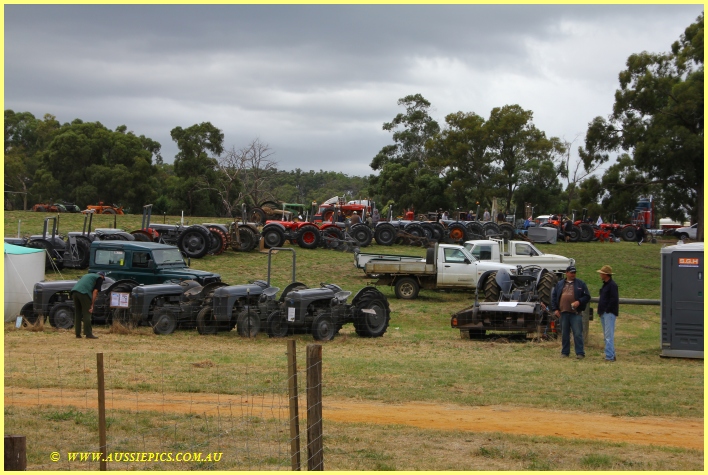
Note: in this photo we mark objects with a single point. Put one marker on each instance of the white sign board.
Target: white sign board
(119, 299)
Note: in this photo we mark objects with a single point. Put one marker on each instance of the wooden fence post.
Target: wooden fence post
(101, 412)
(294, 415)
(15, 453)
(315, 455)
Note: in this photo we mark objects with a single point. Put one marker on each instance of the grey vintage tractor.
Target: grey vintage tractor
(513, 304)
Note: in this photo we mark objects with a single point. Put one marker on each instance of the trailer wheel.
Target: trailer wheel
(194, 241)
(277, 325)
(28, 314)
(385, 234)
(248, 324)
(164, 322)
(407, 288)
(323, 328)
(491, 288)
(273, 236)
(62, 316)
(629, 233)
(309, 236)
(372, 325)
(362, 234)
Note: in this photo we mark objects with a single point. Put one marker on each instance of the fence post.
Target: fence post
(101, 412)
(294, 416)
(15, 453)
(315, 455)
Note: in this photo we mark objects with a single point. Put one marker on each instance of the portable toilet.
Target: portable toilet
(682, 300)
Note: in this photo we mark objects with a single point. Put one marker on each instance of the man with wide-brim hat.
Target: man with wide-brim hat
(608, 309)
(569, 298)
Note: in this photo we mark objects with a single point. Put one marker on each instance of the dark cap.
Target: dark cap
(101, 273)
(571, 269)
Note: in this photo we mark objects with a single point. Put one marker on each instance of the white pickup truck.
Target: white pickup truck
(518, 253)
(446, 266)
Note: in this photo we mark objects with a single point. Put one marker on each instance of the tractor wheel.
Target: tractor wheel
(458, 232)
(363, 235)
(141, 236)
(108, 211)
(323, 327)
(218, 239)
(277, 325)
(273, 236)
(62, 316)
(41, 209)
(414, 229)
(629, 233)
(206, 324)
(491, 288)
(428, 230)
(27, 312)
(372, 325)
(491, 229)
(308, 236)
(247, 238)
(574, 234)
(270, 204)
(507, 231)
(331, 238)
(438, 231)
(248, 324)
(257, 216)
(327, 216)
(475, 227)
(587, 232)
(545, 287)
(194, 241)
(163, 322)
(407, 288)
(83, 252)
(385, 234)
(48, 251)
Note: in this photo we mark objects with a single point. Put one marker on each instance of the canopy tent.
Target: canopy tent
(24, 267)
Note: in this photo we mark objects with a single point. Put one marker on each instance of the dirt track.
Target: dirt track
(659, 431)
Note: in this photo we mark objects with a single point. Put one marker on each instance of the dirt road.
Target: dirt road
(659, 431)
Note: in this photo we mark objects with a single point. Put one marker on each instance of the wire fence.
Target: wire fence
(220, 415)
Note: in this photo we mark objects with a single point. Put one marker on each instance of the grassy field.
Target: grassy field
(420, 358)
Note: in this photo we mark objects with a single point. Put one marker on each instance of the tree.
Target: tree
(658, 118)
(195, 165)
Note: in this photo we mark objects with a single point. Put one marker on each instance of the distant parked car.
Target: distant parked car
(689, 232)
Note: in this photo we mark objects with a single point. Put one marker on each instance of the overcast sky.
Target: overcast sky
(317, 82)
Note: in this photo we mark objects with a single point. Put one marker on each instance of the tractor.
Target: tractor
(102, 208)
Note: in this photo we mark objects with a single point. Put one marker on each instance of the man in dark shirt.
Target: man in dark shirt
(84, 294)
(608, 309)
(568, 299)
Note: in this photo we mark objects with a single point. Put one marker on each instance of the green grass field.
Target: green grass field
(420, 358)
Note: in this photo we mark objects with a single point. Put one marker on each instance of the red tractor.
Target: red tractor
(330, 208)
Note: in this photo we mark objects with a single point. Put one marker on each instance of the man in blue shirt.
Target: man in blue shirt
(608, 309)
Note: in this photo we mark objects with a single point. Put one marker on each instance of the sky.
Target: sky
(316, 82)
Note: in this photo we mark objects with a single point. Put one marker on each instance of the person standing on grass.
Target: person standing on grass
(569, 298)
(608, 309)
(641, 234)
(84, 294)
(486, 216)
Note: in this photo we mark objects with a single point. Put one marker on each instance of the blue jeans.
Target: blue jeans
(608, 329)
(574, 322)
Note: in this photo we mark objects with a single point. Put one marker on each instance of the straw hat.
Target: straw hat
(606, 270)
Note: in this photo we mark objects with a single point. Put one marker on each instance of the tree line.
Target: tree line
(653, 136)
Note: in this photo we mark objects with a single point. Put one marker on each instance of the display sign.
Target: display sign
(291, 314)
(689, 262)
(119, 299)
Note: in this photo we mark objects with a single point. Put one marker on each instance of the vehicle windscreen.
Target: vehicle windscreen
(167, 256)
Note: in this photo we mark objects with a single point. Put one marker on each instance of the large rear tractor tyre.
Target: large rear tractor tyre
(195, 242)
(458, 232)
(27, 312)
(248, 324)
(308, 237)
(507, 231)
(428, 230)
(206, 324)
(323, 327)
(331, 238)
(573, 234)
(629, 233)
(257, 216)
(108, 211)
(438, 231)
(491, 229)
(385, 234)
(545, 287)
(475, 228)
(587, 232)
(362, 234)
(491, 288)
(163, 322)
(415, 229)
(372, 325)
(273, 236)
(407, 288)
(219, 240)
(141, 236)
(62, 316)
(83, 252)
(277, 325)
(247, 238)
